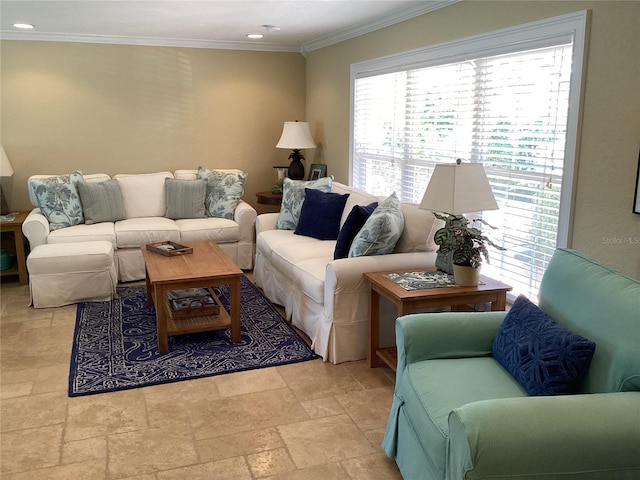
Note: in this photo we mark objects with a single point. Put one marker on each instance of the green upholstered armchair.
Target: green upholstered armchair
(458, 414)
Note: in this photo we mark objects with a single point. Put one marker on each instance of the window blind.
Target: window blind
(508, 112)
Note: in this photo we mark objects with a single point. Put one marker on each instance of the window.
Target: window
(509, 100)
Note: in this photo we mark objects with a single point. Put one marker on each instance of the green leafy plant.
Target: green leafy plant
(277, 187)
(468, 244)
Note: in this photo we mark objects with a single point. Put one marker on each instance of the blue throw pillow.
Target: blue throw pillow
(293, 198)
(546, 358)
(352, 225)
(320, 214)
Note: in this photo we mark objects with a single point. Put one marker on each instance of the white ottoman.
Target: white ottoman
(65, 273)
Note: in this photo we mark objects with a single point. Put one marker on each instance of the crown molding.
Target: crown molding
(421, 8)
(400, 16)
(147, 41)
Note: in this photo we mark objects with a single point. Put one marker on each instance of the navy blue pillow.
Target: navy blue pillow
(352, 225)
(320, 214)
(546, 358)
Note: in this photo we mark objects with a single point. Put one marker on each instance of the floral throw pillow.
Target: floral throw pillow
(224, 191)
(381, 231)
(292, 198)
(58, 199)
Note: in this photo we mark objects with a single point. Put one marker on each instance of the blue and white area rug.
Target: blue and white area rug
(115, 345)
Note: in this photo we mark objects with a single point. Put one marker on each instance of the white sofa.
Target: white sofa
(145, 205)
(326, 298)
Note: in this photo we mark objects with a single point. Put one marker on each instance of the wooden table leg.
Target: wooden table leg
(500, 303)
(21, 258)
(161, 318)
(374, 328)
(149, 288)
(236, 329)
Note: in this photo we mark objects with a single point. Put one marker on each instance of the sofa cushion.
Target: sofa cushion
(58, 199)
(143, 194)
(418, 232)
(353, 224)
(320, 214)
(219, 230)
(356, 197)
(104, 231)
(268, 240)
(546, 358)
(136, 232)
(286, 257)
(287, 252)
(431, 389)
(101, 201)
(185, 198)
(224, 191)
(293, 192)
(381, 231)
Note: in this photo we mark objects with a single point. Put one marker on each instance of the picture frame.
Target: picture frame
(317, 170)
(636, 197)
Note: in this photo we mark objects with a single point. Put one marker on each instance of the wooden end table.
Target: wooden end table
(407, 301)
(207, 266)
(269, 198)
(13, 242)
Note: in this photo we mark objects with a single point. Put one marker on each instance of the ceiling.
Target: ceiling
(303, 25)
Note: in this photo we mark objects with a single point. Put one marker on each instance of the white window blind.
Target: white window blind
(508, 111)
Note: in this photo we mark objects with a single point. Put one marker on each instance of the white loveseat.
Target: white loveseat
(144, 200)
(326, 298)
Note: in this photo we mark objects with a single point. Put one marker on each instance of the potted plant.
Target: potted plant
(465, 245)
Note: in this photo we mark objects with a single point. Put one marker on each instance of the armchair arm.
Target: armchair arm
(245, 216)
(589, 436)
(426, 336)
(36, 228)
(266, 221)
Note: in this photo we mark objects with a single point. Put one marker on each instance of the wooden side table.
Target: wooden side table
(14, 243)
(269, 198)
(407, 301)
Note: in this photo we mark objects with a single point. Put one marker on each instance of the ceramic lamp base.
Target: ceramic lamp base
(296, 170)
(466, 276)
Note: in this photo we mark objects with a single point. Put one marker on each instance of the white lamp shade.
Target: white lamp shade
(6, 170)
(296, 135)
(458, 188)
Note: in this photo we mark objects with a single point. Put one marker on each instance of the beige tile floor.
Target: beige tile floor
(310, 420)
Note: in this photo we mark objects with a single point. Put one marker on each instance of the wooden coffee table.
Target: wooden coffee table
(207, 266)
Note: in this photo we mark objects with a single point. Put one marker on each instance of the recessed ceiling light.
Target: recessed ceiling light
(255, 35)
(25, 26)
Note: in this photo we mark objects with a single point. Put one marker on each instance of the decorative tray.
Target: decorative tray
(192, 302)
(169, 249)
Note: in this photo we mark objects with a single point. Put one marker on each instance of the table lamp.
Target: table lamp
(6, 170)
(455, 189)
(296, 135)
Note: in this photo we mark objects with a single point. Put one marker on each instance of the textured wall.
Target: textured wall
(117, 109)
(603, 225)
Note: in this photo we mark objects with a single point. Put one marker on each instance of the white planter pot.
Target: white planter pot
(466, 276)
